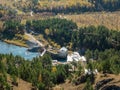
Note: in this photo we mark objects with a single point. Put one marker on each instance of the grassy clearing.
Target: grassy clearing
(108, 19)
(17, 42)
(44, 3)
(64, 3)
(22, 85)
(99, 77)
(8, 3)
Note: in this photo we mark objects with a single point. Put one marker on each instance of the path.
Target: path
(34, 40)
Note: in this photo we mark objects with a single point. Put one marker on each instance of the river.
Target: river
(17, 50)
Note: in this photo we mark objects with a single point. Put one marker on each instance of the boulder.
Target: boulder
(102, 82)
(111, 87)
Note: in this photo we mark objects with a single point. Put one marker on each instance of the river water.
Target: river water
(17, 50)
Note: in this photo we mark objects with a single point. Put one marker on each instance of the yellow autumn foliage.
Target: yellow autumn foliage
(54, 69)
(40, 78)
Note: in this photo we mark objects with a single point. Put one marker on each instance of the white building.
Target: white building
(75, 56)
(63, 52)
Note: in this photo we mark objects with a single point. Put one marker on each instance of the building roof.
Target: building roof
(75, 57)
(64, 49)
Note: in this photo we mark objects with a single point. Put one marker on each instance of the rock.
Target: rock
(80, 80)
(101, 83)
(15, 83)
(36, 49)
(83, 79)
(34, 88)
(111, 87)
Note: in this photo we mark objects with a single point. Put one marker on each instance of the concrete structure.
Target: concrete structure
(63, 52)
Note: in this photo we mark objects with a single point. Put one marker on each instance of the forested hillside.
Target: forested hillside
(53, 29)
(44, 76)
(20, 10)
(88, 37)
(86, 31)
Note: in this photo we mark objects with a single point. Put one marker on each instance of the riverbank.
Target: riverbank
(16, 42)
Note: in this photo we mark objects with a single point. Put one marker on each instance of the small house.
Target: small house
(63, 52)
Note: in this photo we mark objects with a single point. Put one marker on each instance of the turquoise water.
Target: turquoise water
(16, 50)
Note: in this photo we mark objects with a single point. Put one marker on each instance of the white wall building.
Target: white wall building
(75, 56)
(63, 52)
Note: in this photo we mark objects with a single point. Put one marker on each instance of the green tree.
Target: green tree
(88, 54)
(47, 79)
(46, 62)
(96, 53)
(2, 67)
(60, 74)
(88, 85)
(80, 69)
(12, 27)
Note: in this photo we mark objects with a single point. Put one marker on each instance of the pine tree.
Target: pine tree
(88, 85)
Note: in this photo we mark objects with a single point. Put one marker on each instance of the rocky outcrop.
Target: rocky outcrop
(80, 80)
(111, 87)
(84, 78)
(36, 49)
(102, 83)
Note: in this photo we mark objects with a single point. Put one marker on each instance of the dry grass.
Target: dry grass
(22, 85)
(46, 3)
(8, 3)
(69, 86)
(64, 3)
(99, 77)
(17, 42)
(108, 19)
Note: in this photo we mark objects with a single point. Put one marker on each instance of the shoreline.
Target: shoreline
(15, 43)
